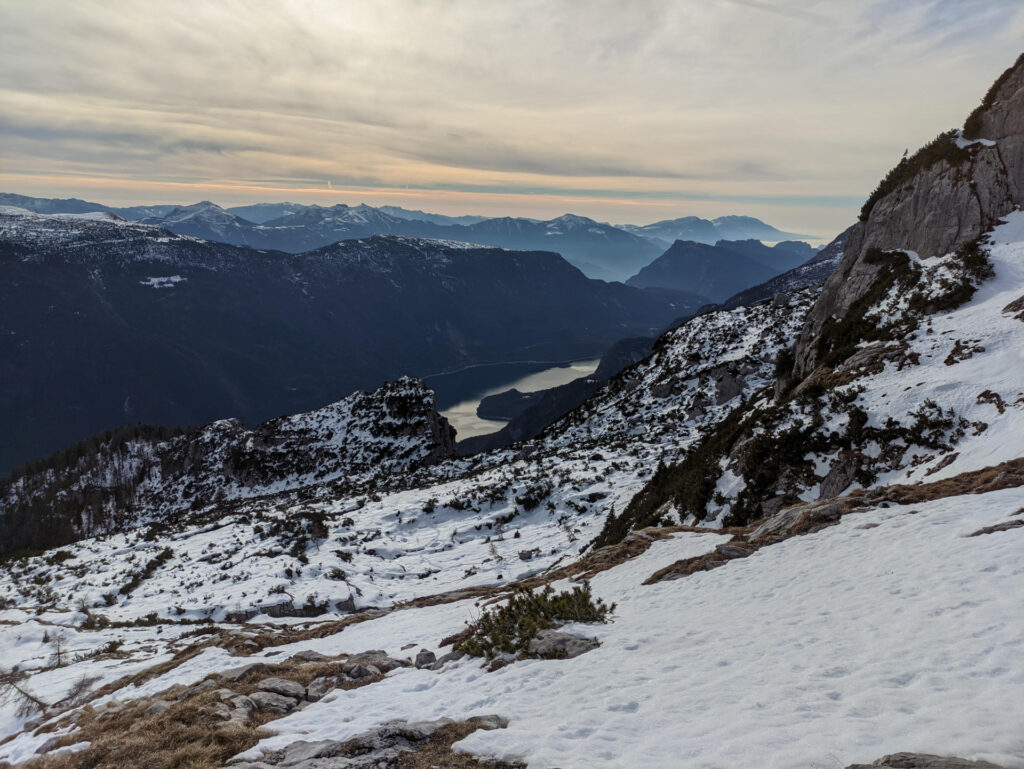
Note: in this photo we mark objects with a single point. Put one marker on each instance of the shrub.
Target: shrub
(508, 629)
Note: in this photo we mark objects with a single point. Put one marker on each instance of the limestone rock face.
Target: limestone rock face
(933, 212)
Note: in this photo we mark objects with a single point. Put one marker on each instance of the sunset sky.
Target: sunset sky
(623, 111)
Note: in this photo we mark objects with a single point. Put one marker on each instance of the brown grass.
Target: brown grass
(186, 736)
(437, 752)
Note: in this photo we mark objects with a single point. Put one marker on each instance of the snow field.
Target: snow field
(891, 631)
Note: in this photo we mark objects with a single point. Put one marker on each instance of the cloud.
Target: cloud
(700, 101)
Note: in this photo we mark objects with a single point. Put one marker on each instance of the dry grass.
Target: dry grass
(437, 752)
(186, 736)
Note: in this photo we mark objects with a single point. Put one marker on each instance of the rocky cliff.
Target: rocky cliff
(948, 194)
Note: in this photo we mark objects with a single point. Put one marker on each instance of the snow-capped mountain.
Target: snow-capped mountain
(261, 213)
(710, 231)
(209, 221)
(789, 537)
(424, 216)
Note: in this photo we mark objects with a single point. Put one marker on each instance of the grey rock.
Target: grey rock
(308, 655)
(244, 671)
(284, 687)
(552, 644)
(732, 551)
(380, 660)
(923, 761)
(50, 744)
(301, 751)
(357, 670)
(319, 687)
(202, 686)
(158, 707)
(727, 388)
(840, 474)
(781, 299)
(780, 526)
(489, 722)
(425, 658)
(444, 659)
(932, 213)
(241, 702)
(275, 703)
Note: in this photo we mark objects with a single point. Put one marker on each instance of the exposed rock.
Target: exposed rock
(727, 388)
(301, 751)
(791, 519)
(202, 686)
(425, 658)
(942, 206)
(552, 644)
(284, 687)
(489, 722)
(731, 551)
(275, 703)
(444, 659)
(244, 671)
(158, 707)
(380, 660)
(319, 687)
(308, 655)
(357, 670)
(923, 761)
(841, 474)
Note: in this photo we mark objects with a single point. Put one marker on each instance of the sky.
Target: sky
(628, 112)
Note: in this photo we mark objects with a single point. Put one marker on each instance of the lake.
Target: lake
(460, 392)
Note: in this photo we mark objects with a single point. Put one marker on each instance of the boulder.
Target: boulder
(319, 687)
(244, 671)
(308, 655)
(284, 687)
(274, 703)
(425, 658)
(356, 670)
(552, 644)
(730, 550)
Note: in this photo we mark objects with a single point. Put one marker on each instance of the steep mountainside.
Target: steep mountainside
(109, 323)
(714, 271)
(948, 194)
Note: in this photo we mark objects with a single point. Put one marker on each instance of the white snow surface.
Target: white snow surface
(826, 649)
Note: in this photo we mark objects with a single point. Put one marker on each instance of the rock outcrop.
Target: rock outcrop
(946, 195)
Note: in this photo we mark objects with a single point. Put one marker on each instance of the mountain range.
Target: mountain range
(599, 250)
